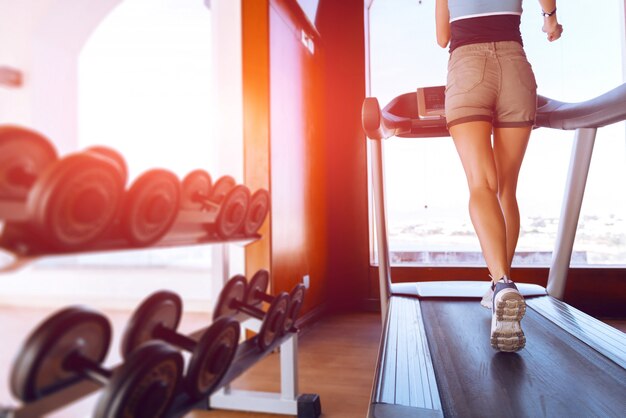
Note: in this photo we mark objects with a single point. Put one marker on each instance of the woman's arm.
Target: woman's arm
(550, 23)
(442, 22)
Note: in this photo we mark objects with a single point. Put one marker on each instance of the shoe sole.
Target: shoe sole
(506, 333)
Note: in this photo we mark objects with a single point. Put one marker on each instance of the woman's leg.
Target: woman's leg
(492, 173)
(473, 143)
(509, 147)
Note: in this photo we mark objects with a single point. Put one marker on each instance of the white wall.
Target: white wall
(43, 38)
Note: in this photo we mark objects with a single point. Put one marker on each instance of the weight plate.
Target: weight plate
(162, 309)
(296, 299)
(257, 211)
(196, 187)
(258, 284)
(273, 324)
(151, 207)
(75, 201)
(231, 295)
(222, 187)
(39, 367)
(114, 156)
(145, 385)
(212, 357)
(232, 212)
(24, 155)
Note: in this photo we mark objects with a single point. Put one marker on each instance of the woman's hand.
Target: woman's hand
(552, 28)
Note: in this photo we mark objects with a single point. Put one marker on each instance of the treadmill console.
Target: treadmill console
(430, 102)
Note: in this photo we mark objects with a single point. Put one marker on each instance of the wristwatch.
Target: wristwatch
(545, 14)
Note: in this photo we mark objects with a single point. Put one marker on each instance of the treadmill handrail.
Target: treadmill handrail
(400, 117)
(382, 125)
(602, 110)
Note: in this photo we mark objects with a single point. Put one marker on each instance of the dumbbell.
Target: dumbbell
(157, 318)
(70, 346)
(231, 302)
(24, 155)
(151, 206)
(113, 155)
(257, 211)
(74, 202)
(226, 200)
(256, 294)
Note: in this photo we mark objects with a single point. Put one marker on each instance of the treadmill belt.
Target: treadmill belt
(555, 375)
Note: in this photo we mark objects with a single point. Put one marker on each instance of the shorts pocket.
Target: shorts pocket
(465, 73)
(525, 72)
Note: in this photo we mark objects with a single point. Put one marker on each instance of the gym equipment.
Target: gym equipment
(196, 183)
(222, 186)
(233, 201)
(151, 206)
(257, 211)
(24, 154)
(225, 202)
(114, 156)
(74, 202)
(157, 318)
(231, 301)
(429, 356)
(256, 294)
(70, 346)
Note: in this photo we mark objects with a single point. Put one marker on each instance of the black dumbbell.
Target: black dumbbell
(257, 293)
(24, 155)
(157, 318)
(232, 301)
(228, 201)
(70, 346)
(150, 207)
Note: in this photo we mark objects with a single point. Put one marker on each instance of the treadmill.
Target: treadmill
(435, 359)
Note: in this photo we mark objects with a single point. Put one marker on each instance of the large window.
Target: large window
(426, 189)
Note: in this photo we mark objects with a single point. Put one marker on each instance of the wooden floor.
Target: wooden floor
(337, 360)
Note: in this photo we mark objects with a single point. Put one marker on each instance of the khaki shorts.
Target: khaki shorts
(491, 82)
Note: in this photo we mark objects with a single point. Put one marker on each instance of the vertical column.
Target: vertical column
(378, 184)
(580, 160)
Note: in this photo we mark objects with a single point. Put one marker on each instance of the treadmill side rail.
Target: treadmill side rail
(603, 338)
(405, 376)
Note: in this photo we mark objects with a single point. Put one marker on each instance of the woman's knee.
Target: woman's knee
(483, 188)
(507, 192)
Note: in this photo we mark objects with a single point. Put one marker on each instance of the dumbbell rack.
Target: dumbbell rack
(184, 232)
(288, 401)
(23, 226)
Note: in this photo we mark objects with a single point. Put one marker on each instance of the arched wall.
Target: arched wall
(43, 39)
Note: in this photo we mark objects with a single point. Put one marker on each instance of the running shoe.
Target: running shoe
(487, 300)
(508, 309)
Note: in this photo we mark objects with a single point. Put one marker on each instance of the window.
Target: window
(426, 190)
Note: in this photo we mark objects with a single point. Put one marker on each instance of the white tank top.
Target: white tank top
(464, 9)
